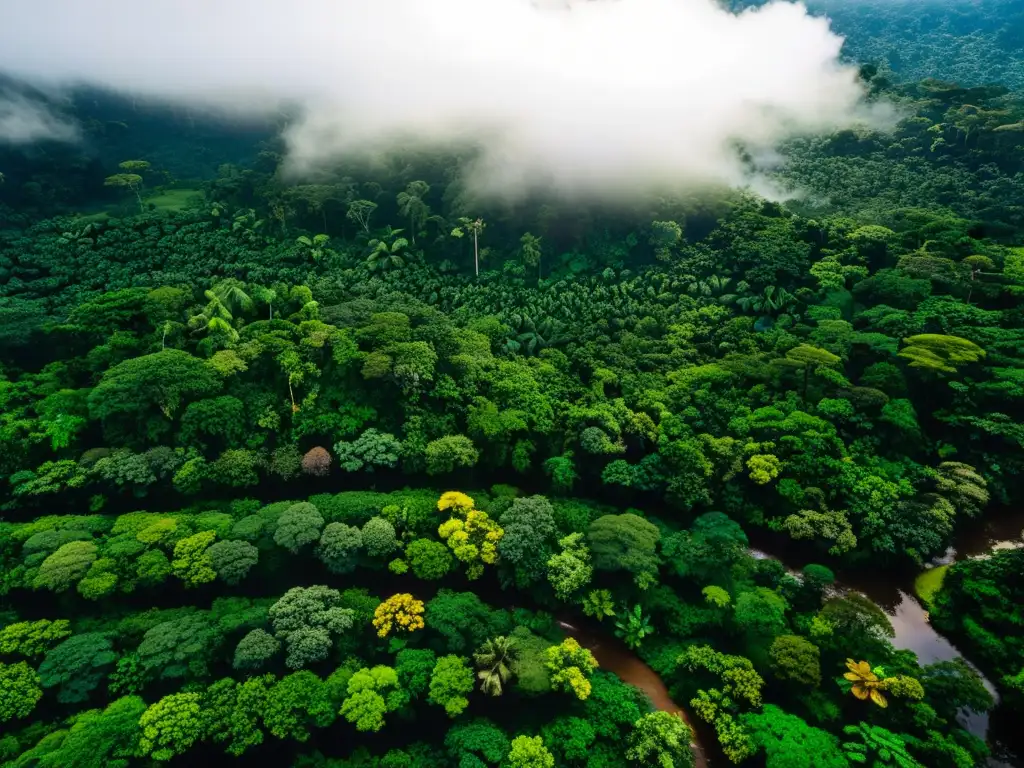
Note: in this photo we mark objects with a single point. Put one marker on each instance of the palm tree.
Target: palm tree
(529, 252)
(316, 246)
(598, 604)
(231, 293)
(771, 300)
(214, 310)
(266, 296)
(246, 223)
(633, 627)
(411, 205)
(386, 251)
(712, 286)
(536, 336)
(219, 331)
(216, 319)
(496, 660)
(476, 227)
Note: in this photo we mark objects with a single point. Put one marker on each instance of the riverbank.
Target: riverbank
(909, 617)
(613, 656)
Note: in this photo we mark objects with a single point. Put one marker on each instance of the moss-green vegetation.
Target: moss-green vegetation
(174, 200)
(929, 582)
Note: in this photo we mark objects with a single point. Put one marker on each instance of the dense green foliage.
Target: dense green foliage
(973, 43)
(970, 43)
(230, 427)
(981, 602)
(836, 393)
(253, 659)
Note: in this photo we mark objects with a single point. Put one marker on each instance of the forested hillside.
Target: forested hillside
(974, 43)
(361, 470)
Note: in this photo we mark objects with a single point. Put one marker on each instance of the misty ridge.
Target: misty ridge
(590, 98)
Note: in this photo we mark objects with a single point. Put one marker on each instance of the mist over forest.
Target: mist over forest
(511, 384)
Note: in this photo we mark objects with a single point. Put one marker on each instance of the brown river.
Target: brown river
(615, 657)
(909, 620)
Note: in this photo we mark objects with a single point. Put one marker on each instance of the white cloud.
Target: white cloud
(580, 95)
(23, 121)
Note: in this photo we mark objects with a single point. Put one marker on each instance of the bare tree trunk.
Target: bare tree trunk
(291, 394)
(476, 253)
(138, 196)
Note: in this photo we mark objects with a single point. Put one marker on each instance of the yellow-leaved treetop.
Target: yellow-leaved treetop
(401, 612)
(571, 666)
(455, 502)
(470, 534)
(866, 684)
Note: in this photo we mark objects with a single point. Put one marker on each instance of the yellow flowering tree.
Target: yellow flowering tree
(571, 666)
(455, 503)
(400, 612)
(470, 534)
(867, 682)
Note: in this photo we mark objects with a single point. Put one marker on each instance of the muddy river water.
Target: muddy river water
(613, 656)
